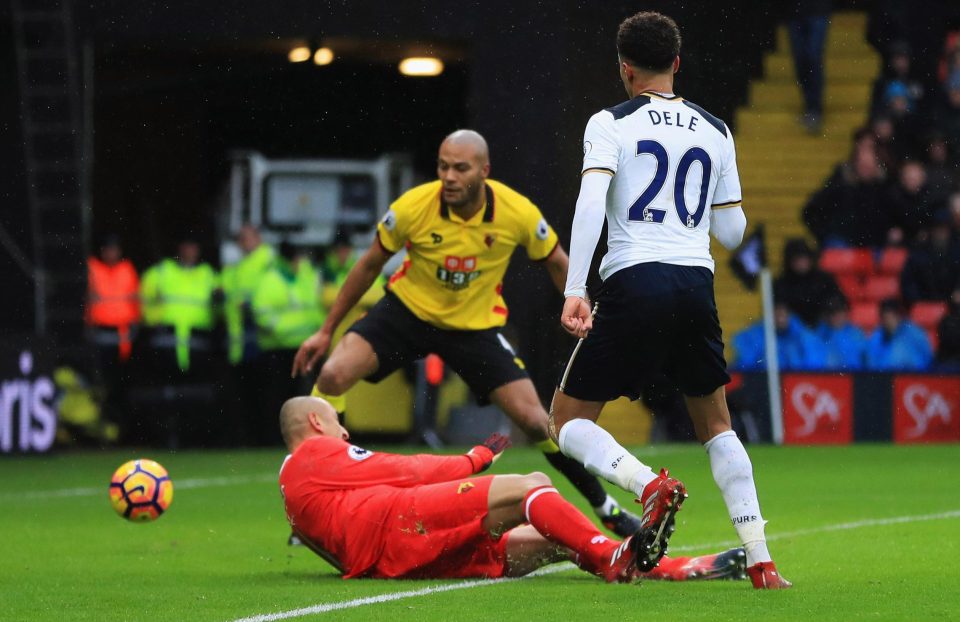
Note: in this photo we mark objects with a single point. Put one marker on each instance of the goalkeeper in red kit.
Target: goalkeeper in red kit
(381, 515)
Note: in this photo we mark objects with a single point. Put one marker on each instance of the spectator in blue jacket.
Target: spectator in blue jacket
(798, 348)
(846, 344)
(897, 344)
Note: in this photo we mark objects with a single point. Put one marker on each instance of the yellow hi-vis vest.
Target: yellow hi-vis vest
(179, 297)
(287, 311)
(240, 281)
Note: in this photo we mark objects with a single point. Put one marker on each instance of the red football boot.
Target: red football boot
(730, 565)
(661, 499)
(622, 567)
(764, 576)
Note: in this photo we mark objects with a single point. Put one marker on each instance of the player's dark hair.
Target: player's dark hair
(649, 40)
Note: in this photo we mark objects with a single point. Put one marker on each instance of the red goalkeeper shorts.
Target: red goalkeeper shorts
(435, 532)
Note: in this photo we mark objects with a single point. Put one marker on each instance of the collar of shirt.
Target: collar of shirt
(484, 214)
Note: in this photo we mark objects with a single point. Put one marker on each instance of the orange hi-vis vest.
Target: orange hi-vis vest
(113, 299)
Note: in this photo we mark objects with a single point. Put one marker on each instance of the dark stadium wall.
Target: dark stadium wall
(169, 108)
(16, 315)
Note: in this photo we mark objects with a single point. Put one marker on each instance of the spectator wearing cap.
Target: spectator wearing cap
(897, 344)
(846, 344)
(932, 271)
(798, 348)
(896, 90)
(802, 286)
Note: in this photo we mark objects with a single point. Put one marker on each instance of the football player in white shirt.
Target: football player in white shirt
(663, 172)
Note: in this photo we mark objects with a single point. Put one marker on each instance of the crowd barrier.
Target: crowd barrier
(838, 409)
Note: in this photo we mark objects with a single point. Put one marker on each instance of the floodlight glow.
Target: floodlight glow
(323, 56)
(421, 66)
(299, 54)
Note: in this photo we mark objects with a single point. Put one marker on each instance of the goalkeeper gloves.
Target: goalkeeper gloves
(485, 454)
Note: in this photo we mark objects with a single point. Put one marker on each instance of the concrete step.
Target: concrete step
(778, 67)
(843, 37)
(771, 123)
(775, 95)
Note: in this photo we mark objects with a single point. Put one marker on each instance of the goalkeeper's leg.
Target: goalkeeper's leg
(520, 402)
(514, 499)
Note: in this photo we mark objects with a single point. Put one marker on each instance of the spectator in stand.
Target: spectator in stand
(932, 271)
(940, 171)
(808, 21)
(804, 287)
(849, 210)
(885, 140)
(948, 115)
(798, 348)
(896, 88)
(897, 344)
(846, 344)
(908, 203)
(948, 334)
(953, 209)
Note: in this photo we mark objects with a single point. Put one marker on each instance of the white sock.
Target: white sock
(607, 507)
(733, 473)
(602, 455)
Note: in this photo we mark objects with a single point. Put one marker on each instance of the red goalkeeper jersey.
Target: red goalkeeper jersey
(338, 497)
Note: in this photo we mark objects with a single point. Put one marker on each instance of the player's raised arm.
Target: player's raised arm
(358, 281)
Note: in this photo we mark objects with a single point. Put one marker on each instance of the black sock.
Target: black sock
(588, 485)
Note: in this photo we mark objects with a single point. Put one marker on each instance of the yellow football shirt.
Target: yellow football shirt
(452, 275)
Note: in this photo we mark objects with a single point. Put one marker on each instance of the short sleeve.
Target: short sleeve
(538, 236)
(728, 193)
(394, 227)
(601, 147)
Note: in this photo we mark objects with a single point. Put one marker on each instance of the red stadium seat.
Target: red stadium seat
(866, 315)
(852, 287)
(847, 261)
(928, 313)
(891, 261)
(881, 287)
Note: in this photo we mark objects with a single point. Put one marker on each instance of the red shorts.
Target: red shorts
(435, 532)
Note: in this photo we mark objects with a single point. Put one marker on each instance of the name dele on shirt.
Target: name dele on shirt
(674, 119)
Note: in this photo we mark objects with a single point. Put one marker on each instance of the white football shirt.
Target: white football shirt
(672, 164)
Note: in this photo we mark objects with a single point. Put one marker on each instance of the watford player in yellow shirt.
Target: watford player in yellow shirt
(459, 233)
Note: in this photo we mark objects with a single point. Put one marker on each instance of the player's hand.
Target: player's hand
(490, 450)
(576, 317)
(309, 353)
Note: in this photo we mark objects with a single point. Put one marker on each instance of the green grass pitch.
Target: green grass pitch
(220, 552)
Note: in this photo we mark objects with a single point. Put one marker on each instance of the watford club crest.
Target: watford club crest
(489, 239)
(465, 487)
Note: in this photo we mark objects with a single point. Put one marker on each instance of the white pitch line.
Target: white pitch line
(179, 484)
(870, 522)
(465, 585)
(385, 598)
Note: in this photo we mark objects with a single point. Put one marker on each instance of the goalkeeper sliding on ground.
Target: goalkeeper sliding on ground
(390, 516)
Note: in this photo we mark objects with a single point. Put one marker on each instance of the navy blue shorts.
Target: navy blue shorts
(483, 358)
(651, 317)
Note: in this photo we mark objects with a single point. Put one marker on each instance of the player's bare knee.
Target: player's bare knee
(535, 480)
(332, 380)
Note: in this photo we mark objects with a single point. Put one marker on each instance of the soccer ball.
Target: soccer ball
(141, 490)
